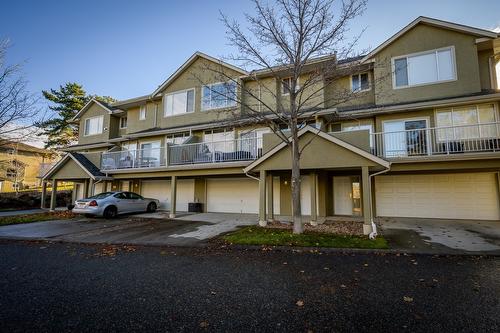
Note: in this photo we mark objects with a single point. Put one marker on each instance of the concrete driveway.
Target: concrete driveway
(442, 236)
(143, 229)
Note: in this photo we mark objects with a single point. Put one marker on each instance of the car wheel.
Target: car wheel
(151, 207)
(110, 212)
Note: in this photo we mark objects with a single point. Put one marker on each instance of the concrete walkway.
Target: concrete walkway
(442, 236)
(26, 211)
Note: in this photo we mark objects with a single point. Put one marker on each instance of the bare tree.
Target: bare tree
(17, 106)
(304, 47)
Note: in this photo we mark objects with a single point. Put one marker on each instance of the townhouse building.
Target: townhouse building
(424, 142)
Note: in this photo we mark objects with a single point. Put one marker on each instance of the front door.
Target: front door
(346, 196)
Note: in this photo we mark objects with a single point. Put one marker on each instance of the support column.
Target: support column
(173, 196)
(262, 199)
(44, 194)
(314, 214)
(86, 188)
(270, 198)
(91, 187)
(53, 196)
(366, 193)
(74, 193)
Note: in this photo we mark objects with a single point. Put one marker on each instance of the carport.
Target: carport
(76, 168)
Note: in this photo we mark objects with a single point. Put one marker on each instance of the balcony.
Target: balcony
(439, 141)
(238, 150)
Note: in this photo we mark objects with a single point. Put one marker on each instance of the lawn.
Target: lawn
(255, 235)
(29, 218)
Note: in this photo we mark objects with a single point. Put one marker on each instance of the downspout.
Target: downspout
(250, 176)
(374, 234)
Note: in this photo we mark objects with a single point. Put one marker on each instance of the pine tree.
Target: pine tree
(66, 102)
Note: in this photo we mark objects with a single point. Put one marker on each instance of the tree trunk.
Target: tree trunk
(298, 228)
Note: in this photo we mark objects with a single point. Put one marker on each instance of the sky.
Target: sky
(125, 48)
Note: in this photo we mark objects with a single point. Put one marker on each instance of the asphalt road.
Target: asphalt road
(68, 287)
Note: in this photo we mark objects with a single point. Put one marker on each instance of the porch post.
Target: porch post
(262, 199)
(314, 213)
(366, 193)
(53, 195)
(44, 194)
(91, 187)
(86, 188)
(270, 199)
(173, 196)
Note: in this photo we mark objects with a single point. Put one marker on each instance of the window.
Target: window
(221, 140)
(286, 84)
(219, 95)
(177, 138)
(252, 140)
(424, 68)
(468, 122)
(179, 103)
(359, 82)
(11, 173)
(120, 196)
(406, 137)
(93, 125)
(142, 112)
(123, 122)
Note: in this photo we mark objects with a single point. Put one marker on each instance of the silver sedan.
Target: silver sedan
(110, 204)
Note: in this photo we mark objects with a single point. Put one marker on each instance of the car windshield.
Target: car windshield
(101, 195)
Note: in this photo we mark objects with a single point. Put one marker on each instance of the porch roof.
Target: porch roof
(320, 151)
(75, 166)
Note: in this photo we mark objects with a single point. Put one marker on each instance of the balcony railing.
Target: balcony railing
(184, 154)
(215, 152)
(437, 141)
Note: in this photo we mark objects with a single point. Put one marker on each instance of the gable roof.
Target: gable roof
(436, 23)
(328, 137)
(8, 144)
(188, 63)
(104, 105)
(90, 168)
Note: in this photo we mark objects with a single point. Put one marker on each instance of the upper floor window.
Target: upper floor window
(286, 85)
(219, 95)
(467, 122)
(360, 82)
(93, 125)
(179, 103)
(142, 112)
(123, 122)
(424, 68)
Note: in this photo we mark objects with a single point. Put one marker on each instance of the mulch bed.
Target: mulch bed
(351, 228)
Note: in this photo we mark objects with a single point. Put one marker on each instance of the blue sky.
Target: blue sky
(126, 48)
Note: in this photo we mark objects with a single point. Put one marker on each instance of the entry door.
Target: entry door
(346, 196)
(405, 138)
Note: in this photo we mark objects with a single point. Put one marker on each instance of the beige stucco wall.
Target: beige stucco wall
(337, 93)
(260, 94)
(70, 170)
(424, 38)
(32, 163)
(93, 111)
(484, 68)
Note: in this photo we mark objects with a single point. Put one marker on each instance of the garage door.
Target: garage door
(455, 196)
(233, 195)
(160, 189)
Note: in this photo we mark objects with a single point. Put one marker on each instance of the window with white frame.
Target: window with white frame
(424, 68)
(142, 112)
(220, 140)
(286, 85)
(123, 122)
(218, 95)
(252, 140)
(467, 122)
(180, 102)
(93, 125)
(177, 138)
(360, 82)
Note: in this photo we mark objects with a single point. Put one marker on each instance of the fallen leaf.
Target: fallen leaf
(203, 324)
(300, 303)
(408, 299)
(343, 286)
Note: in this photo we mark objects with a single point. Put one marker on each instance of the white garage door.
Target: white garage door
(455, 196)
(160, 189)
(233, 195)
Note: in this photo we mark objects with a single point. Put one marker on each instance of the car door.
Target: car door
(136, 202)
(121, 202)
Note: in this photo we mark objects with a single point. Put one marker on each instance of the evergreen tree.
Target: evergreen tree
(65, 103)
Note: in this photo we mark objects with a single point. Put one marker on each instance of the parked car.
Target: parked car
(110, 204)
